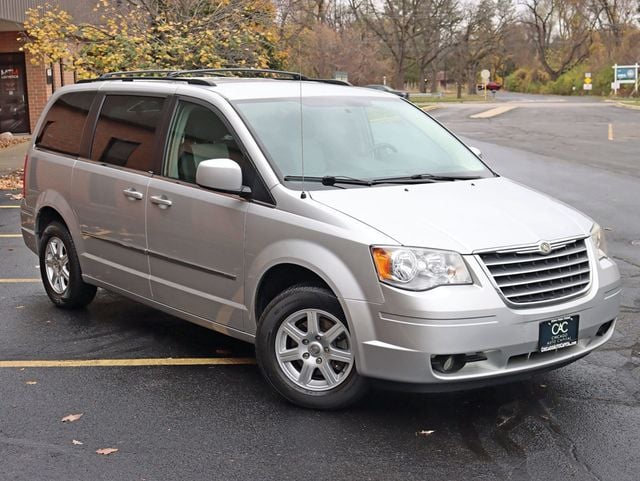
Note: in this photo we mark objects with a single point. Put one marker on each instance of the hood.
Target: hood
(464, 216)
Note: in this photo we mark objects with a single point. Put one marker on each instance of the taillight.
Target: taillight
(24, 176)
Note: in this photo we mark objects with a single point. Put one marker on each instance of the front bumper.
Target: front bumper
(397, 339)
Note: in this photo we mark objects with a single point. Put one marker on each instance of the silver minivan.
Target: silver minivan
(345, 232)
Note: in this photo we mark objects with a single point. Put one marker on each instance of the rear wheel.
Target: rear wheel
(60, 269)
(305, 349)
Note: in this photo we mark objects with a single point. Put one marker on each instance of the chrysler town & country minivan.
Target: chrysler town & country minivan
(345, 232)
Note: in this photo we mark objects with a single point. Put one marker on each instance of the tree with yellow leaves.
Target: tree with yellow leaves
(156, 34)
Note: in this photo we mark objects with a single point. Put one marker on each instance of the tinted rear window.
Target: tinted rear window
(62, 128)
(126, 131)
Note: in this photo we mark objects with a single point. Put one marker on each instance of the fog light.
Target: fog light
(602, 330)
(448, 363)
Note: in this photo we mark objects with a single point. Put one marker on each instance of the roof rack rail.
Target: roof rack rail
(333, 81)
(148, 75)
(136, 73)
(236, 70)
(255, 72)
(185, 75)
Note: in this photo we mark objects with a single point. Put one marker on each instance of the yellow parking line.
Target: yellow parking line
(196, 361)
(19, 281)
(10, 236)
(9, 206)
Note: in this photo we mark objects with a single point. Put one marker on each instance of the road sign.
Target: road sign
(625, 74)
(587, 80)
(485, 74)
(587, 75)
(587, 86)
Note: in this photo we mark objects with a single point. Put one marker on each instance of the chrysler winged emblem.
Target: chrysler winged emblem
(544, 248)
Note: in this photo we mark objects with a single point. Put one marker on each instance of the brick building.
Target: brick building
(25, 87)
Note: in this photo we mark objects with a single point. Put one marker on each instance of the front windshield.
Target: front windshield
(355, 137)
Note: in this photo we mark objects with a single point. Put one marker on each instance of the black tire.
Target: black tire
(77, 293)
(285, 307)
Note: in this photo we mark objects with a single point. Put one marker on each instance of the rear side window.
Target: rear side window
(126, 131)
(62, 128)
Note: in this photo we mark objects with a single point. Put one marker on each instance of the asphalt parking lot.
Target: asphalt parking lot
(182, 402)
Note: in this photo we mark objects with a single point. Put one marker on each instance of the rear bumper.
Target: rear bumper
(28, 226)
(468, 320)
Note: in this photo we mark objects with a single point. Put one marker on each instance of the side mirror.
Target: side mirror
(476, 151)
(221, 174)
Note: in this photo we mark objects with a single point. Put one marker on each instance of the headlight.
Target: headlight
(597, 237)
(419, 269)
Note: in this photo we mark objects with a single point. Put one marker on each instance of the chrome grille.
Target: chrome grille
(526, 276)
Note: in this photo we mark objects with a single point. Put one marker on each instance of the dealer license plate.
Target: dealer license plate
(558, 333)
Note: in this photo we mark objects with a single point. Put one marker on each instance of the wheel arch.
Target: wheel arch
(289, 263)
(280, 277)
(52, 205)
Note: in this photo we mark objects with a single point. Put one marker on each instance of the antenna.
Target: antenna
(303, 194)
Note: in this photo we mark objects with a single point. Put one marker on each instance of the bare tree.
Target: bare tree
(435, 24)
(614, 17)
(562, 32)
(482, 34)
(394, 23)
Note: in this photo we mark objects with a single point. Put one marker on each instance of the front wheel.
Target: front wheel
(60, 269)
(305, 350)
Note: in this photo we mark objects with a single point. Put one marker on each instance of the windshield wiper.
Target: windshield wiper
(416, 178)
(330, 180)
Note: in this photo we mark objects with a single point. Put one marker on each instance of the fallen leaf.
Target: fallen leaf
(106, 451)
(424, 433)
(71, 418)
(77, 443)
(31, 383)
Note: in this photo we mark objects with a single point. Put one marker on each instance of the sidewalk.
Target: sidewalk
(12, 158)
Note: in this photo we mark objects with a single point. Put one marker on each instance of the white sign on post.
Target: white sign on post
(485, 74)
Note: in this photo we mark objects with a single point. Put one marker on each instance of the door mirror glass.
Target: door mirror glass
(476, 151)
(220, 174)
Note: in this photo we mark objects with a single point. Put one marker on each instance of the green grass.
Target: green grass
(426, 99)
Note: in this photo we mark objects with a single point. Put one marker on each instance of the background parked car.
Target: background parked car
(491, 86)
(386, 88)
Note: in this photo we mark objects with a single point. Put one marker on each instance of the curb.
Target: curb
(627, 106)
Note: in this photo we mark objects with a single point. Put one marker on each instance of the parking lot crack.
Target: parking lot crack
(572, 448)
(37, 445)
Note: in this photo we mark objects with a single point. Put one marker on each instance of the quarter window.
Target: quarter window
(126, 131)
(62, 128)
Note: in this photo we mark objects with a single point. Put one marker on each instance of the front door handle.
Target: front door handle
(161, 201)
(133, 194)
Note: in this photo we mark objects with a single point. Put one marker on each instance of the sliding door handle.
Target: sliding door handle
(133, 194)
